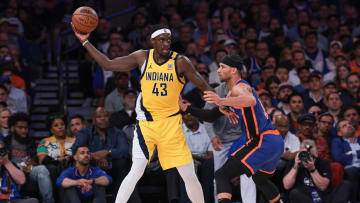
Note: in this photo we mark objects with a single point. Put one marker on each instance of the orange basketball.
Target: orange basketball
(85, 19)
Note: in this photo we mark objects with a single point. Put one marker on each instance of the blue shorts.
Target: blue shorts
(260, 154)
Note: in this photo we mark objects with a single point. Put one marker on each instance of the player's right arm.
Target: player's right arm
(124, 63)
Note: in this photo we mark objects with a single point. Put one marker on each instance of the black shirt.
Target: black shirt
(303, 177)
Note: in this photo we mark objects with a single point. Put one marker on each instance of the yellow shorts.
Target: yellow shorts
(167, 135)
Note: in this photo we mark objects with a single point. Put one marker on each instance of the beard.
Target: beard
(20, 139)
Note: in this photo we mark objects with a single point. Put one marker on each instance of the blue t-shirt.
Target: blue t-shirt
(73, 174)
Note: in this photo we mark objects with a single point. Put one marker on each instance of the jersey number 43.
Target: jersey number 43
(162, 87)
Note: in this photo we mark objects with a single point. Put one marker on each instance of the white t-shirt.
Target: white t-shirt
(291, 143)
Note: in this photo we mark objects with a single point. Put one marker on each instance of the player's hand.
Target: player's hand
(80, 36)
(183, 104)
(216, 142)
(232, 116)
(212, 97)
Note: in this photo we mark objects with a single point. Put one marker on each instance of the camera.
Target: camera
(305, 155)
(3, 152)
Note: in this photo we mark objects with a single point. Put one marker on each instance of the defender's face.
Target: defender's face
(162, 44)
(224, 72)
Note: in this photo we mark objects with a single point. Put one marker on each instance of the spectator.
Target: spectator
(291, 146)
(12, 105)
(303, 73)
(284, 91)
(5, 113)
(77, 123)
(201, 150)
(126, 116)
(351, 113)
(298, 61)
(323, 139)
(185, 37)
(315, 110)
(282, 73)
(334, 103)
(349, 95)
(83, 183)
(195, 95)
(354, 63)
(267, 71)
(297, 109)
(55, 151)
(114, 101)
(342, 72)
(16, 96)
(312, 51)
(309, 180)
(265, 98)
(314, 95)
(344, 149)
(329, 87)
(22, 152)
(7, 70)
(108, 145)
(307, 127)
(11, 176)
(327, 67)
(272, 86)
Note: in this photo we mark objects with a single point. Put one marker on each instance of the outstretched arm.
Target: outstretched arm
(124, 63)
(186, 68)
(241, 96)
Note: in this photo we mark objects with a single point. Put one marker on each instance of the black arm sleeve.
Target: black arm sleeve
(207, 115)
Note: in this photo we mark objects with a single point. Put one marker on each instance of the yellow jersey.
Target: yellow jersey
(161, 86)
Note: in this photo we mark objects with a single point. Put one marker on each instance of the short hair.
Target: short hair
(331, 93)
(348, 107)
(338, 124)
(352, 74)
(295, 94)
(272, 79)
(221, 50)
(157, 27)
(82, 145)
(276, 109)
(82, 119)
(326, 114)
(297, 52)
(16, 117)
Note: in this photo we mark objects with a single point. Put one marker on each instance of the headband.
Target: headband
(159, 32)
(233, 61)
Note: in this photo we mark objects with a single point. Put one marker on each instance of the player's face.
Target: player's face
(224, 72)
(162, 44)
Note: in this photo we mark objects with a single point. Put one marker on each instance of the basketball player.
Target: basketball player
(264, 145)
(163, 74)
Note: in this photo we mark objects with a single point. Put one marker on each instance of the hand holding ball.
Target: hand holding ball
(85, 20)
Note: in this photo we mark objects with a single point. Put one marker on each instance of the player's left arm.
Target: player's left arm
(186, 68)
(241, 96)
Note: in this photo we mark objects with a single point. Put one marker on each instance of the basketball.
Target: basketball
(85, 19)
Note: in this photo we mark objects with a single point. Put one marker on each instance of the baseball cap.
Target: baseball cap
(285, 85)
(229, 42)
(335, 42)
(315, 74)
(306, 117)
(221, 38)
(263, 92)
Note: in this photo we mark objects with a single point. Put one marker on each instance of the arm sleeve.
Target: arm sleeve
(63, 175)
(42, 149)
(121, 148)
(204, 114)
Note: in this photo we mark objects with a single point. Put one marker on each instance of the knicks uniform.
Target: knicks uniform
(158, 113)
(262, 145)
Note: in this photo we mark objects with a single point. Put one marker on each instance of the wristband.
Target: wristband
(86, 41)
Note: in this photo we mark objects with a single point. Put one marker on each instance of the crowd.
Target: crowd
(301, 56)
